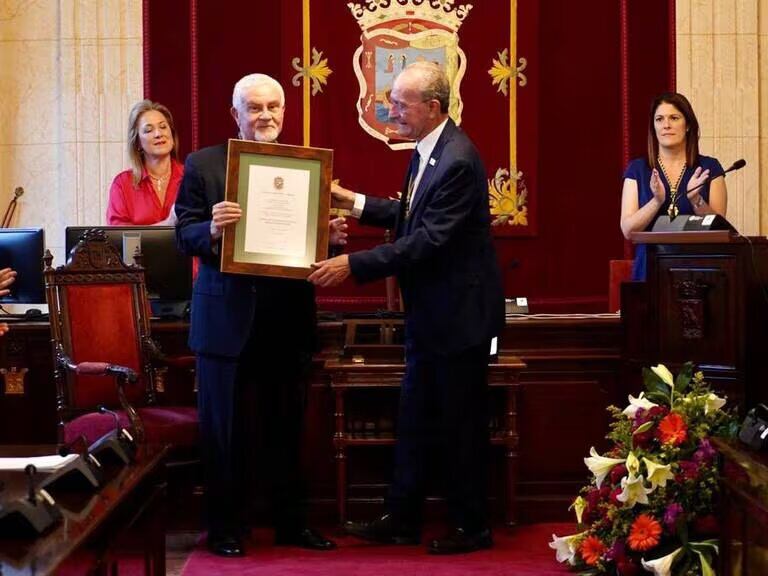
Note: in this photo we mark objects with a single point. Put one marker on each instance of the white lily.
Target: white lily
(633, 490)
(636, 403)
(661, 566)
(565, 547)
(633, 464)
(600, 466)
(658, 474)
(663, 372)
(712, 402)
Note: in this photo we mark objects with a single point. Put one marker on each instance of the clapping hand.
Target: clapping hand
(657, 187)
(699, 177)
(7, 277)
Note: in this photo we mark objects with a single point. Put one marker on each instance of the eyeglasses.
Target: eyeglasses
(404, 106)
(271, 109)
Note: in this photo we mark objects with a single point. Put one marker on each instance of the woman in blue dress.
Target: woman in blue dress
(665, 183)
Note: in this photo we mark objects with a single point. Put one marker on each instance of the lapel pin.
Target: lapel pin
(432, 162)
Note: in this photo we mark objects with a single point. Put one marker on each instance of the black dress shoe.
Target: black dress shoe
(225, 545)
(384, 530)
(459, 541)
(305, 538)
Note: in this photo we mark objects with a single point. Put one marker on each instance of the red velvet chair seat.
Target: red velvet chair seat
(177, 425)
(104, 352)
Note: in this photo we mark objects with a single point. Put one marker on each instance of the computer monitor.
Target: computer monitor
(22, 249)
(168, 272)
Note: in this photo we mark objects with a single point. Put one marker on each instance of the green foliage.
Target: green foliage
(666, 432)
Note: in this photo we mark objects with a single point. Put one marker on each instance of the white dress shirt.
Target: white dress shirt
(424, 147)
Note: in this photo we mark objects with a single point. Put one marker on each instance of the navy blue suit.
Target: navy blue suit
(446, 266)
(254, 338)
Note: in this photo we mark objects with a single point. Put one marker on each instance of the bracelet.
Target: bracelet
(699, 203)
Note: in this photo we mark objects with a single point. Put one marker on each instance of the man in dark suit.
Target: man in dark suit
(445, 262)
(253, 336)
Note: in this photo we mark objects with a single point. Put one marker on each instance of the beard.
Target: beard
(268, 134)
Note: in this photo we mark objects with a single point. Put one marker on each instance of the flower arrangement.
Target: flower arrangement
(650, 506)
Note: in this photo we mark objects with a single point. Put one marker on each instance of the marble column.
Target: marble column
(69, 72)
(722, 66)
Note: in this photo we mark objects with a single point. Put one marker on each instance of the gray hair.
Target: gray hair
(252, 80)
(435, 84)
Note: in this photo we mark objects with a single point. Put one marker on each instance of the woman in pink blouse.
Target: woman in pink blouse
(146, 193)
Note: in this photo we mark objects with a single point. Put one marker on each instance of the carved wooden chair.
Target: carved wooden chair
(103, 352)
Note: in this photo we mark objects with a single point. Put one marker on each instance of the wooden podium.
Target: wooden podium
(705, 299)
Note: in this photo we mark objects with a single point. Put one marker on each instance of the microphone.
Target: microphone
(738, 165)
(104, 410)
(119, 444)
(8, 216)
(122, 433)
(30, 471)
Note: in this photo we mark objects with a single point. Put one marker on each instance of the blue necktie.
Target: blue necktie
(413, 171)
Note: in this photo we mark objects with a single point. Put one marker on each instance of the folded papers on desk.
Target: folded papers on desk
(41, 463)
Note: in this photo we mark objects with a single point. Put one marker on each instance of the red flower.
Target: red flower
(688, 470)
(617, 473)
(591, 549)
(644, 533)
(643, 439)
(672, 429)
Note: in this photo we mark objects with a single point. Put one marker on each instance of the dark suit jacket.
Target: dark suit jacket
(224, 306)
(443, 253)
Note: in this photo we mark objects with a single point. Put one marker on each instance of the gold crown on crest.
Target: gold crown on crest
(374, 12)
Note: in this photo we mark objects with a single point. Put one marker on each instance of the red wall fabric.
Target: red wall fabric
(570, 139)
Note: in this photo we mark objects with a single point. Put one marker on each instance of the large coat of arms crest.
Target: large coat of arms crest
(397, 33)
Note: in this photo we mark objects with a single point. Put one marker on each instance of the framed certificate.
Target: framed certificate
(284, 192)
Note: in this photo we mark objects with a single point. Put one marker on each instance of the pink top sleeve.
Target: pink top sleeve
(118, 208)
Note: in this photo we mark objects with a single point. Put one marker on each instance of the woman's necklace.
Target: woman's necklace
(161, 180)
(672, 209)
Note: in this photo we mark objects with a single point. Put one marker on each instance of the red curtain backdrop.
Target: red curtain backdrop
(592, 70)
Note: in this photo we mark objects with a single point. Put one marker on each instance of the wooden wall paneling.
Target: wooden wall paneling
(28, 392)
(572, 374)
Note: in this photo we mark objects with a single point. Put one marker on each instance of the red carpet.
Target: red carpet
(519, 552)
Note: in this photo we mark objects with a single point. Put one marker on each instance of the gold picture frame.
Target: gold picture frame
(284, 193)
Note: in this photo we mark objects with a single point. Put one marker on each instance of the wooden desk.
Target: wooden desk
(573, 371)
(129, 504)
(744, 510)
(348, 376)
(702, 302)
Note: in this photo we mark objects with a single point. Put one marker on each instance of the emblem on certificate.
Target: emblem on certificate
(284, 192)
